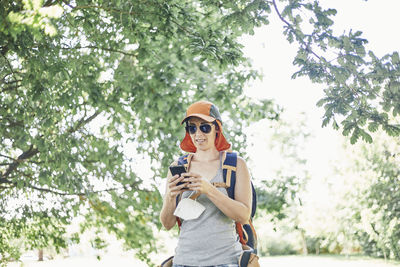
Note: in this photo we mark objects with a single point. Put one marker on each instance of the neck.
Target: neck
(206, 155)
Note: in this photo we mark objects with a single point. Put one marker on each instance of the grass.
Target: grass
(326, 261)
(275, 261)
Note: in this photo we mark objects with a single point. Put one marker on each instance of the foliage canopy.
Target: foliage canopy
(81, 80)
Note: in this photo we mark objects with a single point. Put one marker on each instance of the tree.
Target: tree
(361, 210)
(377, 216)
(355, 79)
(280, 197)
(80, 80)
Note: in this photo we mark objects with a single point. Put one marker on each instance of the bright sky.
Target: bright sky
(273, 55)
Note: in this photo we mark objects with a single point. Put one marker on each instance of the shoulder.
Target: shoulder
(241, 163)
(240, 160)
(232, 155)
(242, 172)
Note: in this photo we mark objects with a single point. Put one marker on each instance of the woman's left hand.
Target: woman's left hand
(197, 183)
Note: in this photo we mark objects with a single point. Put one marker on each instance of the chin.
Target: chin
(204, 148)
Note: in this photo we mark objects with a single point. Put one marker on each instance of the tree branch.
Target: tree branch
(15, 81)
(53, 191)
(101, 7)
(5, 181)
(33, 151)
(294, 31)
(25, 155)
(9, 88)
(41, 162)
(308, 49)
(83, 121)
(180, 26)
(5, 76)
(280, 16)
(60, 193)
(14, 123)
(49, 3)
(5, 187)
(101, 48)
(1, 155)
(9, 65)
(4, 50)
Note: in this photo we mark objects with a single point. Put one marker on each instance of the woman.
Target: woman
(210, 239)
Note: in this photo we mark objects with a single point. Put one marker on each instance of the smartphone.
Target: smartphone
(178, 169)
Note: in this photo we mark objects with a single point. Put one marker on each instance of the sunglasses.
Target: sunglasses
(192, 128)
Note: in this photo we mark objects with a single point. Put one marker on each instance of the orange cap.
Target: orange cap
(208, 112)
(204, 110)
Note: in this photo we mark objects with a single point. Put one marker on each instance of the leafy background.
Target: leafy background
(83, 80)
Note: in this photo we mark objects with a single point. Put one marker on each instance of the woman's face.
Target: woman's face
(201, 140)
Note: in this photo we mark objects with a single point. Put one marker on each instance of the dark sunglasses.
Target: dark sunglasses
(192, 128)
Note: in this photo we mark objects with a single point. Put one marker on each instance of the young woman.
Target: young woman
(211, 238)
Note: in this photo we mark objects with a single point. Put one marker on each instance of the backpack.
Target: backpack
(246, 232)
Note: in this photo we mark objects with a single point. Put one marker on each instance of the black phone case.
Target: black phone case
(177, 170)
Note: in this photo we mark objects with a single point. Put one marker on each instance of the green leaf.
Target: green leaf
(321, 102)
(367, 137)
(355, 135)
(395, 58)
(373, 126)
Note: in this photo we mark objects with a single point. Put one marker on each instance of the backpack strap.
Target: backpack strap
(229, 172)
(185, 160)
(246, 232)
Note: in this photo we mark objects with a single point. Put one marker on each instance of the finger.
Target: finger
(196, 189)
(193, 186)
(170, 180)
(184, 185)
(193, 180)
(174, 180)
(187, 180)
(173, 194)
(178, 188)
(190, 174)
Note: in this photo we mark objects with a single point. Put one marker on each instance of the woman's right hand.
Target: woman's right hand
(173, 189)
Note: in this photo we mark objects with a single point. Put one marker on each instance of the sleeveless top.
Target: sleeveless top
(210, 239)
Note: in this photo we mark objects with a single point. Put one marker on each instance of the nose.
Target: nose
(198, 130)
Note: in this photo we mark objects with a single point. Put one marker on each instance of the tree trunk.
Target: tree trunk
(304, 243)
(40, 255)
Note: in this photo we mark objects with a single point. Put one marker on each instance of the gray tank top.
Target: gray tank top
(210, 239)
